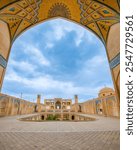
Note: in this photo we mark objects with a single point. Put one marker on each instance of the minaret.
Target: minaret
(76, 99)
(76, 103)
(38, 98)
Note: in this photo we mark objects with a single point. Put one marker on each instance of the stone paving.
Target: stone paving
(102, 134)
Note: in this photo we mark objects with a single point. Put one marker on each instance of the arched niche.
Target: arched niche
(58, 105)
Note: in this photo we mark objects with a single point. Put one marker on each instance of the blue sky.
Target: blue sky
(57, 59)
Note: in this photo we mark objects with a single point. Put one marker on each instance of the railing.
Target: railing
(58, 110)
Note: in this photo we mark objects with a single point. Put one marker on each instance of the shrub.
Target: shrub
(52, 117)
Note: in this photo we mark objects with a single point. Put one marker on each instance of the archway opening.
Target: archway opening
(42, 117)
(83, 60)
(58, 105)
(73, 117)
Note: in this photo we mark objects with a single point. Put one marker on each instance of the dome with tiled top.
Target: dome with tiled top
(106, 92)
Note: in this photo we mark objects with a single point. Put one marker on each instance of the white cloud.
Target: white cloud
(61, 27)
(91, 66)
(36, 55)
(96, 61)
(22, 65)
(94, 72)
(49, 45)
(46, 82)
(90, 71)
(32, 49)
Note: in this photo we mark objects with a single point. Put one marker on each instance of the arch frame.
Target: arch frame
(78, 5)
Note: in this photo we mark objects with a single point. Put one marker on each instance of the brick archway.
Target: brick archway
(100, 17)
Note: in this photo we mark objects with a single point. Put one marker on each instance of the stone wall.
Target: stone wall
(106, 106)
(14, 106)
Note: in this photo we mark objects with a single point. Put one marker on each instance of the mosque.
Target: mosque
(105, 104)
(101, 17)
(58, 103)
(98, 16)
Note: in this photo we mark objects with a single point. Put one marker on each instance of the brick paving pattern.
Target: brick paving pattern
(102, 134)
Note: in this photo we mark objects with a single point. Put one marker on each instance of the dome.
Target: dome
(106, 92)
(106, 89)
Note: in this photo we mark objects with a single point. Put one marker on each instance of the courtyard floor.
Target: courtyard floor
(102, 134)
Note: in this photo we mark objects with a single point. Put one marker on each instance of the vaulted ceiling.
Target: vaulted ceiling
(96, 15)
